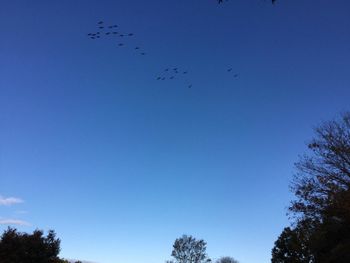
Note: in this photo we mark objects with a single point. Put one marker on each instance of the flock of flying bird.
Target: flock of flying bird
(110, 31)
(113, 32)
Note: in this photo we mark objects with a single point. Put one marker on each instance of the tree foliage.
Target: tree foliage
(322, 206)
(16, 247)
(28, 248)
(226, 260)
(187, 249)
(292, 246)
(323, 180)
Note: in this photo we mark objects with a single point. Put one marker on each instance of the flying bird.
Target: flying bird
(229, 70)
(100, 23)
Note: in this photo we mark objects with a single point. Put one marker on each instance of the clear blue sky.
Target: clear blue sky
(120, 164)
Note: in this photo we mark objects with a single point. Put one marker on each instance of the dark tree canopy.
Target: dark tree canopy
(16, 247)
(189, 250)
(322, 183)
(28, 248)
(292, 246)
(322, 205)
(226, 260)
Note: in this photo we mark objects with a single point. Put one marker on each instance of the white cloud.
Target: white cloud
(17, 222)
(21, 212)
(10, 201)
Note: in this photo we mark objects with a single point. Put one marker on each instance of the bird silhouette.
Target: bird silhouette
(143, 53)
(137, 48)
(185, 72)
(131, 34)
(158, 78)
(120, 44)
(190, 86)
(172, 77)
(107, 33)
(100, 23)
(229, 70)
(101, 27)
(235, 75)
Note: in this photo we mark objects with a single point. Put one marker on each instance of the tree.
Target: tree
(292, 246)
(187, 249)
(322, 183)
(322, 205)
(28, 248)
(226, 260)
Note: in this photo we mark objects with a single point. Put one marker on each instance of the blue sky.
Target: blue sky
(120, 164)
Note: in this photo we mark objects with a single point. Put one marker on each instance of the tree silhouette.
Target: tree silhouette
(226, 260)
(293, 246)
(187, 249)
(322, 205)
(28, 248)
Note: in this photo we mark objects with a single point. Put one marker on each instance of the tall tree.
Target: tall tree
(322, 205)
(187, 249)
(293, 245)
(322, 183)
(226, 260)
(29, 248)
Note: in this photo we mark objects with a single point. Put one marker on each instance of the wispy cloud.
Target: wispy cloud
(21, 212)
(10, 200)
(17, 222)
